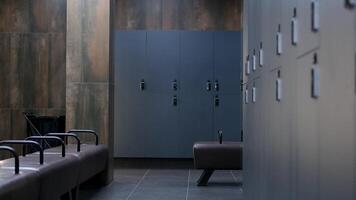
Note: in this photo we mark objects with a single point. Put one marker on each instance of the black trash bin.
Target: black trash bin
(41, 125)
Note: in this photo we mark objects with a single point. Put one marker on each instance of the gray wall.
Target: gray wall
(301, 147)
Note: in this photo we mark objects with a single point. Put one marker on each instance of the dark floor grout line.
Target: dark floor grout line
(138, 183)
(233, 176)
(235, 179)
(186, 197)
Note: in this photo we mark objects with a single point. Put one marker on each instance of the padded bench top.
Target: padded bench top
(213, 155)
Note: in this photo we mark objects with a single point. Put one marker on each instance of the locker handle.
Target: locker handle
(220, 132)
(279, 43)
(294, 31)
(216, 85)
(174, 85)
(261, 57)
(315, 15)
(279, 90)
(175, 100)
(217, 101)
(142, 85)
(208, 86)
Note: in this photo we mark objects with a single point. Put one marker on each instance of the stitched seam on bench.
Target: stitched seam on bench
(138, 184)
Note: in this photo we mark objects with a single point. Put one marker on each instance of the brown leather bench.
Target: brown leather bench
(15, 185)
(211, 156)
(57, 173)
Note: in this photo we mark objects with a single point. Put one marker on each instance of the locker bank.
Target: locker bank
(177, 99)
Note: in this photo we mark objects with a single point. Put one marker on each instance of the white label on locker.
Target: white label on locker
(254, 94)
(247, 68)
(279, 90)
(254, 62)
(261, 57)
(246, 96)
(279, 43)
(315, 15)
(295, 37)
(315, 82)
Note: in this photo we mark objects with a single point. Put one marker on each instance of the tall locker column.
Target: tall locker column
(162, 101)
(130, 56)
(290, 23)
(337, 94)
(226, 85)
(196, 84)
(308, 146)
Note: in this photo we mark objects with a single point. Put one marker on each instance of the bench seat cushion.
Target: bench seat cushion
(213, 155)
(17, 187)
(93, 159)
(57, 175)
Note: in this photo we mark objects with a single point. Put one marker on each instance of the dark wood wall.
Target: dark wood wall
(32, 62)
(179, 14)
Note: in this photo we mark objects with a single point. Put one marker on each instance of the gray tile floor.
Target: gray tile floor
(161, 184)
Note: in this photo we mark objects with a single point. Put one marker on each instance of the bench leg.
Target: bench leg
(204, 177)
(75, 193)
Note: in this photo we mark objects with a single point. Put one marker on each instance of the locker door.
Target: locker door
(307, 183)
(227, 116)
(130, 56)
(288, 105)
(227, 61)
(196, 68)
(268, 35)
(258, 134)
(162, 60)
(337, 95)
(196, 85)
(280, 133)
(249, 142)
(195, 121)
(162, 130)
(309, 37)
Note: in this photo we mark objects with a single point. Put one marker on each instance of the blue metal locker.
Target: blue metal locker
(227, 98)
(130, 58)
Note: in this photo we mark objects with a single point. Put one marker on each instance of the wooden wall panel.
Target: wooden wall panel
(32, 62)
(178, 14)
(88, 67)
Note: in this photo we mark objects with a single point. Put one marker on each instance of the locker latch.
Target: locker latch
(208, 85)
(279, 41)
(247, 65)
(315, 78)
(315, 21)
(254, 94)
(279, 89)
(246, 96)
(217, 101)
(260, 59)
(294, 28)
(254, 60)
(216, 85)
(174, 85)
(220, 133)
(142, 85)
(175, 100)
